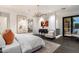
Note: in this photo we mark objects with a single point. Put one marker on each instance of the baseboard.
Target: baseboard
(58, 36)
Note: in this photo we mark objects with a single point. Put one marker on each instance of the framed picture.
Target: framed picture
(22, 24)
(44, 23)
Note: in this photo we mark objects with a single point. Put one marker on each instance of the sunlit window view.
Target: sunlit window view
(3, 23)
(76, 25)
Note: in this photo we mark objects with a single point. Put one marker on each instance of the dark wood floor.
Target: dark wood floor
(68, 44)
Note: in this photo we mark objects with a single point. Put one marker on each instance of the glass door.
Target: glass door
(67, 26)
(76, 25)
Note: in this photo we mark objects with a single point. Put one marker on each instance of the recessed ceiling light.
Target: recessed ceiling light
(63, 8)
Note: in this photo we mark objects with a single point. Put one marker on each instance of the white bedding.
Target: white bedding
(29, 41)
(12, 48)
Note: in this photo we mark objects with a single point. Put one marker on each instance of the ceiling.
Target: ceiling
(43, 9)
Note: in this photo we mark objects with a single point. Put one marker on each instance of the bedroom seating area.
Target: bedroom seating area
(47, 33)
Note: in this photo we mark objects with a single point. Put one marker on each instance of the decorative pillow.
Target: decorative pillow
(8, 36)
(2, 42)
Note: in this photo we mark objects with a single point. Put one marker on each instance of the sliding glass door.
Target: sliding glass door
(67, 26)
(76, 25)
(71, 26)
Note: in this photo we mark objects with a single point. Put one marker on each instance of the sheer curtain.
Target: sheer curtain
(4, 21)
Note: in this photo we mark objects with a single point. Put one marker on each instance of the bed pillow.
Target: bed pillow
(8, 36)
(2, 42)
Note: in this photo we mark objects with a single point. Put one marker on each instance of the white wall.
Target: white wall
(35, 25)
(57, 24)
(52, 22)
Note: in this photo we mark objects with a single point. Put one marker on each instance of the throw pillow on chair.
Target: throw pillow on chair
(8, 36)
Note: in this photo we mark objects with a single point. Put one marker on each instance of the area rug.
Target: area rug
(50, 47)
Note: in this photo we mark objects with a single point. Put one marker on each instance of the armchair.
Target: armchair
(50, 34)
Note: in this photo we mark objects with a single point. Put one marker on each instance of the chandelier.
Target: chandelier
(38, 13)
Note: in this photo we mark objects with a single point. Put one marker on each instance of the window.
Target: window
(4, 21)
(75, 25)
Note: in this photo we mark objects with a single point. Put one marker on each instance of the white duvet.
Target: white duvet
(29, 41)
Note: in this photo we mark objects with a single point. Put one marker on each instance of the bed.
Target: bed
(12, 48)
(29, 42)
(24, 43)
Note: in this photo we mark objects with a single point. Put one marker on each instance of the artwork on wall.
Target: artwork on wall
(22, 24)
(44, 23)
(30, 25)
